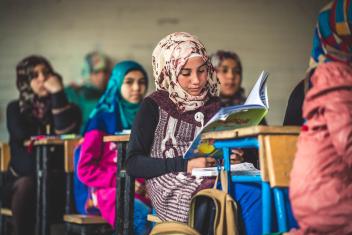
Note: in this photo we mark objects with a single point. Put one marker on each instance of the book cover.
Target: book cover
(248, 114)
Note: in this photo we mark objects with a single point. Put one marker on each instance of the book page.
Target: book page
(234, 117)
(258, 94)
(244, 168)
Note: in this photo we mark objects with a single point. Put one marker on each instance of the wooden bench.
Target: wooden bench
(5, 213)
(78, 223)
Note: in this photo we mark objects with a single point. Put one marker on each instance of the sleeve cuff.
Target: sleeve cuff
(59, 100)
(181, 164)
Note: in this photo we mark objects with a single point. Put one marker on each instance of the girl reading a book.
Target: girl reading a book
(41, 109)
(114, 112)
(186, 97)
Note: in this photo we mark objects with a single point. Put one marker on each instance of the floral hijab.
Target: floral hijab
(332, 37)
(30, 104)
(169, 56)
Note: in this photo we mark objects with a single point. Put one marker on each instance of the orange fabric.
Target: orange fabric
(321, 178)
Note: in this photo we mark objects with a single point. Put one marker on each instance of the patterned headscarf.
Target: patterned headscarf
(332, 37)
(169, 57)
(30, 104)
(113, 113)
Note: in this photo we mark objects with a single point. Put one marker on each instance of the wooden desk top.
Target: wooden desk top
(51, 141)
(252, 131)
(117, 138)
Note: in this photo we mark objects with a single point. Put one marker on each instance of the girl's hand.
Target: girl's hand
(236, 156)
(200, 162)
(53, 84)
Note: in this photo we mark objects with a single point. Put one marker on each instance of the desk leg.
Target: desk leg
(45, 202)
(120, 188)
(280, 210)
(227, 168)
(39, 189)
(69, 193)
(128, 195)
(129, 205)
(266, 202)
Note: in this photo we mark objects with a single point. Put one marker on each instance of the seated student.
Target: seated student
(42, 103)
(95, 72)
(228, 69)
(114, 112)
(186, 96)
(321, 178)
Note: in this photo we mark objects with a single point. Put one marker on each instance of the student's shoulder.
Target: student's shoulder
(149, 103)
(13, 111)
(13, 106)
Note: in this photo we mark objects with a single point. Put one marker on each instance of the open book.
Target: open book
(248, 114)
(244, 168)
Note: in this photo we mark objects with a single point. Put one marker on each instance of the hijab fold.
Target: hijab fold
(332, 36)
(31, 104)
(113, 113)
(169, 57)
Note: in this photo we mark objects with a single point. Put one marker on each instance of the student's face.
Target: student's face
(99, 79)
(193, 76)
(229, 75)
(134, 87)
(38, 76)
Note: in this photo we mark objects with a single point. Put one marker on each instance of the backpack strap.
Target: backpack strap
(223, 176)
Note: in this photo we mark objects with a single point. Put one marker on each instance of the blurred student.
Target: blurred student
(95, 72)
(42, 108)
(228, 69)
(321, 178)
(97, 163)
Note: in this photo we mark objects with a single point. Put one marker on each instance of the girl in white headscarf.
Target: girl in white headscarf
(165, 126)
(186, 97)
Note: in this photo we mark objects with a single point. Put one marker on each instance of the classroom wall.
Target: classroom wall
(271, 35)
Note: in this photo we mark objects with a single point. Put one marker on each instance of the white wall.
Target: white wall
(274, 35)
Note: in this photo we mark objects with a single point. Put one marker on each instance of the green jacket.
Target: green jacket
(85, 97)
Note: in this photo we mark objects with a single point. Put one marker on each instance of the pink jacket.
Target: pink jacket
(321, 178)
(97, 169)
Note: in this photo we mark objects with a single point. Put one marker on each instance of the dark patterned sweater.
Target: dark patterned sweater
(21, 128)
(160, 136)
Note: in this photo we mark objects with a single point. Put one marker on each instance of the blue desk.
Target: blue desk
(251, 137)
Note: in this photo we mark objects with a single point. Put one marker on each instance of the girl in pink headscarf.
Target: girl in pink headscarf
(321, 178)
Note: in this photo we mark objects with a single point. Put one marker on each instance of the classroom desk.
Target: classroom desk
(252, 137)
(42, 148)
(124, 187)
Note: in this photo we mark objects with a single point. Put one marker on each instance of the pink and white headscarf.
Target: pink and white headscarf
(169, 57)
